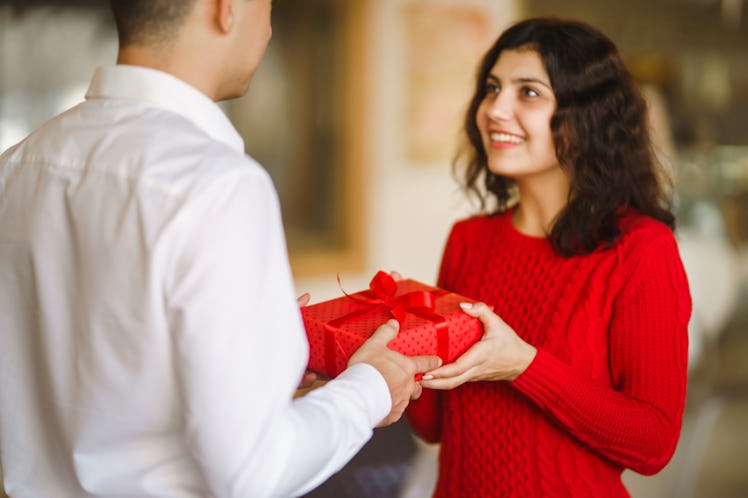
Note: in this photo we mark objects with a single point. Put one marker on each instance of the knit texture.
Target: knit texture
(607, 388)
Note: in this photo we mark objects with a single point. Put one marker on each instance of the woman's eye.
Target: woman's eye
(529, 92)
(492, 88)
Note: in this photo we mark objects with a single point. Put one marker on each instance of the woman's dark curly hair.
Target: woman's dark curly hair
(600, 133)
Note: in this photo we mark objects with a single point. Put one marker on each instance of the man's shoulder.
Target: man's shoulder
(143, 149)
(160, 143)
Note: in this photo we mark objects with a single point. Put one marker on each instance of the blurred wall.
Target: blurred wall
(412, 197)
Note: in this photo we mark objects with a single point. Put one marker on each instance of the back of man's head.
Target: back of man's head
(148, 22)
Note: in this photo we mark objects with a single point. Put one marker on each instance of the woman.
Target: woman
(585, 376)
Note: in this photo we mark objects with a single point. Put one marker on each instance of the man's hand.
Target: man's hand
(308, 380)
(398, 370)
(303, 299)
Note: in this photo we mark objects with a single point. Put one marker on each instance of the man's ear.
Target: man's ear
(224, 15)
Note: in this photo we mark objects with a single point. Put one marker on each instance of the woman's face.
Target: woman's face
(514, 118)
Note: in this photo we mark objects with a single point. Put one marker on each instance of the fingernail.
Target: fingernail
(427, 377)
(466, 306)
(393, 323)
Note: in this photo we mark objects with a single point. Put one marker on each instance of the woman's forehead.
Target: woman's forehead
(520, 63)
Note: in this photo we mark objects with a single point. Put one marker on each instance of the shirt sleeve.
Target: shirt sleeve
(636, 420)
(240, 351)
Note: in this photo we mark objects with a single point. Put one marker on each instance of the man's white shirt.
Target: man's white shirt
(150, 339)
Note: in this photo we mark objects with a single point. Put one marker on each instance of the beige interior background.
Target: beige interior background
(417, 67)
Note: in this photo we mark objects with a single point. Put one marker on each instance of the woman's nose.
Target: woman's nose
(500, 108)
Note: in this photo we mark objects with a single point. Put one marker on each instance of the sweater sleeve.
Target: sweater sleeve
(636, 420)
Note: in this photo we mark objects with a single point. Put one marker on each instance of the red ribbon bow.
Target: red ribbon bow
(381, 294)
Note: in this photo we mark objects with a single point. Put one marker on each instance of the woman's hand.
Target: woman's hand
(499, 355)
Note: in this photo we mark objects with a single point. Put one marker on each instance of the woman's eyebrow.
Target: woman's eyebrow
(515, 81)
(532, 80)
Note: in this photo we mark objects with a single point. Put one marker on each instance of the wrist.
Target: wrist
(526, 357)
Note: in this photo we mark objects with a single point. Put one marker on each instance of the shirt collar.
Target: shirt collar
(159, 89)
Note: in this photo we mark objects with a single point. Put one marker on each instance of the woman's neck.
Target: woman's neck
(540, 202)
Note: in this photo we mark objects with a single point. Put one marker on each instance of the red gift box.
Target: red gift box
(431, 323)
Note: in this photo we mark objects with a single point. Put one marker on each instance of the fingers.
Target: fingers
(395, 414)
(483, 313)
(470, 358)
(478, 310)
(426, 363)
(451, 375)
(308, 379)
(447, 382)
(464, 369)
(303, 299)
(448, 370)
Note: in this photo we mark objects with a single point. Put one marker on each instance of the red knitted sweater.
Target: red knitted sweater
(607, 388)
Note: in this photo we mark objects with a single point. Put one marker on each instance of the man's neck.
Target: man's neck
(172, 60)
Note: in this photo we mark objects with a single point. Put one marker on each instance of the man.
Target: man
(150, 342)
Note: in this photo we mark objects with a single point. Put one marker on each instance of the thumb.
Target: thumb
(474, 309)
(482, 312)
(385, 332)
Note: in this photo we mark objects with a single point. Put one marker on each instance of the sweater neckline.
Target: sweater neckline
(507, 226)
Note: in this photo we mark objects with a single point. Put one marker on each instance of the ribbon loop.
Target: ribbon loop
(383, 285)
(381, 293)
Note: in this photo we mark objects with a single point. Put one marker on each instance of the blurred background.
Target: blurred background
(356, 112)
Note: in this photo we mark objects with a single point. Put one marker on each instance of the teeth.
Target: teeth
(505, 137)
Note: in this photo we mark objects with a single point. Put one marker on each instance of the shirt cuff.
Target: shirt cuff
(374, 390)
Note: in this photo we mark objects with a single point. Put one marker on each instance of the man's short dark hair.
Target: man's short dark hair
(146, 22)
